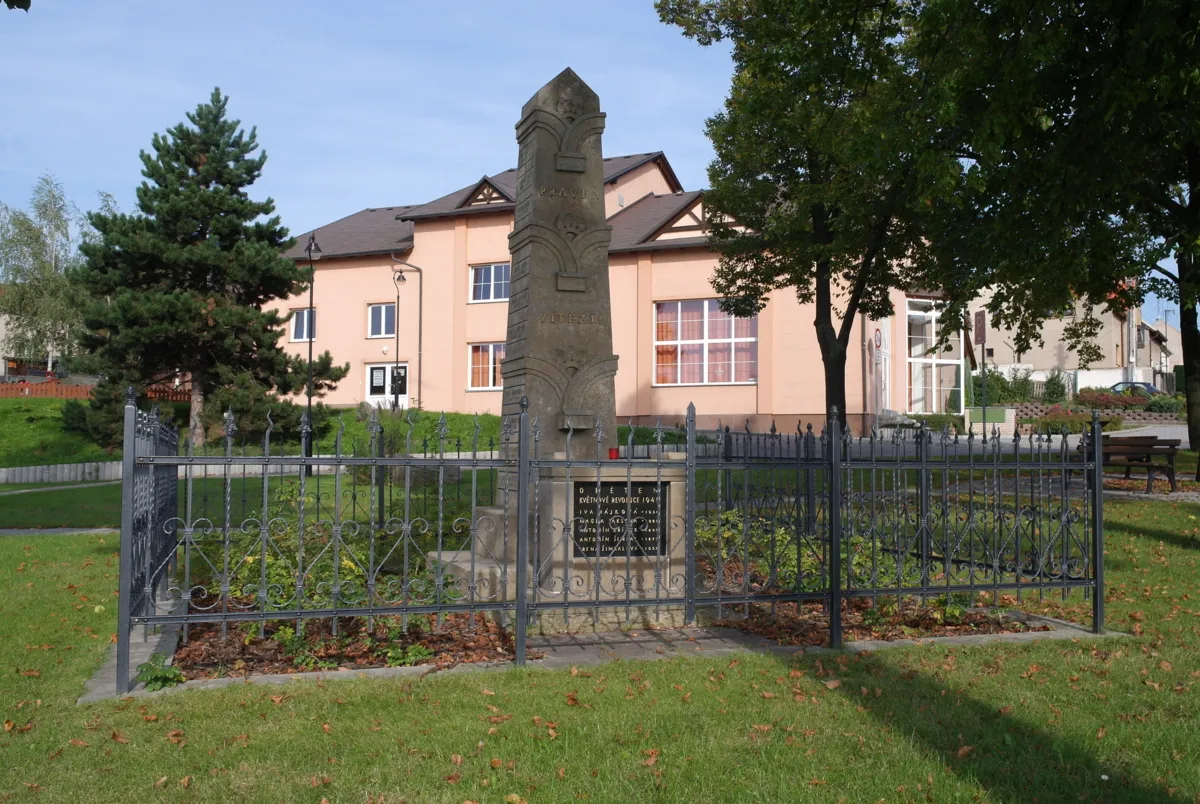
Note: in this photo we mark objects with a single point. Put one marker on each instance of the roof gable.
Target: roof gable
(485, 193)
(505, 182)
(690, 222)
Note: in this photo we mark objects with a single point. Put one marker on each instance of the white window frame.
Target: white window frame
(308, 315)
(493, 366)
(933, 393)
(733, 340)
(491, 283)
(382, 319)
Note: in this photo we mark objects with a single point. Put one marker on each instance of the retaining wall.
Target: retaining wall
(1034, 410)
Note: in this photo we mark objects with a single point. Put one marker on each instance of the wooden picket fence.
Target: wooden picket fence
(57, 390)
(43, 390)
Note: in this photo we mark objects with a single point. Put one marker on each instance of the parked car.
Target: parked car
(1143, 388)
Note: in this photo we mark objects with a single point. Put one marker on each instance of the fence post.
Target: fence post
(923, 493)
(125, 586)
(835, 529)
(1097, 526)
(523, 493)
(689, 526)
(381, 474)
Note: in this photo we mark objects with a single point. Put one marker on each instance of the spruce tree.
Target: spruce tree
(178, 288)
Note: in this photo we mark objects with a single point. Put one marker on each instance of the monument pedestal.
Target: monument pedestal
(612, 536)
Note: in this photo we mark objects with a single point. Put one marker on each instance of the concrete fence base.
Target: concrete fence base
(62, 473)
(111, 470)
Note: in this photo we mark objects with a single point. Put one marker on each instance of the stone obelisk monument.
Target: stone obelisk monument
(559, 346)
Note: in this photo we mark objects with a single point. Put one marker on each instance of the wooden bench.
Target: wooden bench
(1152, 453)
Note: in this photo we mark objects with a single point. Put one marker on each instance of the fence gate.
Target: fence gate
(405, 516)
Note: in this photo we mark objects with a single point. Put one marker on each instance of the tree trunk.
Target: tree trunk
(834, 362)
(196, 416)
(1189, 336)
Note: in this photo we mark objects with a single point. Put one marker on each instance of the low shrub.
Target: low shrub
(1167, 404)
(1099, 398)
(1060, 419)
(939, 422)
(1054, 390)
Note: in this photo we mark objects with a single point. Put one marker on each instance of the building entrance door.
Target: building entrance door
(384, 380)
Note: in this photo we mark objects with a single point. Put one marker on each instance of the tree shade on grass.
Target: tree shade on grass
(1113, 720)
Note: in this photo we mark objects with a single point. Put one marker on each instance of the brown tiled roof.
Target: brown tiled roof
(636, 223)
(506, 182)
(372, 231)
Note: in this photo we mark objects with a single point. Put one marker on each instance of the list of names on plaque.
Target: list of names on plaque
(607, 514)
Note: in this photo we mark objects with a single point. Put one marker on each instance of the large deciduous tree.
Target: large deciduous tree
(834, 147)
(39, 247)
(1085, 118)
(178, 289)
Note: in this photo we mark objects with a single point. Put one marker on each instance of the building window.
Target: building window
(485, 367)
(697, 344)
(304, 324)
(934, 373)
(489, 282)
(381, 320)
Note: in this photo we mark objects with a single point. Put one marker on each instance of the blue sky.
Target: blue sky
(357, 104)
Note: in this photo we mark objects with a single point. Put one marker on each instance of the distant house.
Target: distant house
(1132, 350)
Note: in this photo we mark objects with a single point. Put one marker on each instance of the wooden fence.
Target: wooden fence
(44, 390)
(57, 390)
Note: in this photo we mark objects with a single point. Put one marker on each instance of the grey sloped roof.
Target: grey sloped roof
(506, 183)
(633, 225)
(372, 231)
(382, 230)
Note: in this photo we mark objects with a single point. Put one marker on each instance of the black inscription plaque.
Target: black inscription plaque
(601, 518)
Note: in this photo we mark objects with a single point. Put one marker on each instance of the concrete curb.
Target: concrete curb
(570, 650)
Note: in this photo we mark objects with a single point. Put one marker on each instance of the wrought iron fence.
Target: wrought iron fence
(673, 527)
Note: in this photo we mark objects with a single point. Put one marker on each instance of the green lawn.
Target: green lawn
(100, 506)
(1112, 721)
(31, 434)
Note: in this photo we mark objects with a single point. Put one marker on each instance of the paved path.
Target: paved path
(60, 488)
(55, 531)
(1160, 431)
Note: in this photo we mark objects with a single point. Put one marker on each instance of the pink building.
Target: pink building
(674, 344)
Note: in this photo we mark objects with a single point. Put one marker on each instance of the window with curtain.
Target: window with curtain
(697, 344)
(485, 366)
(490, 282)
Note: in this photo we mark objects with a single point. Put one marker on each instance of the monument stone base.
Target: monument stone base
(580, 550)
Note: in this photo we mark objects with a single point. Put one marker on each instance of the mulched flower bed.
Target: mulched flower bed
(459, 639)
(789, 624)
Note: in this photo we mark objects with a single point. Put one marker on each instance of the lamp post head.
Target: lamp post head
(398, 276)
(312, 249)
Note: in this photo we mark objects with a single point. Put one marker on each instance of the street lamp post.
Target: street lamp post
(398, 279)
(314, 253)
